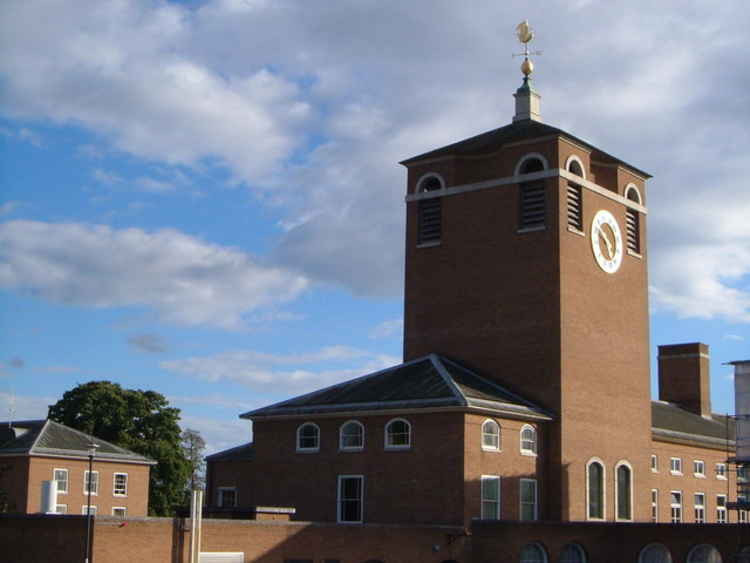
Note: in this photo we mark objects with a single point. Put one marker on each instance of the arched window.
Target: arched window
(595, 490)
(491, 436)
(398, 434)
(529, 163)
(532, 196)
(352, 436)
(430, 211)
(533, 553)
(308, 437)
(624, 476)
(704, 553)
(633, 220)
(574, 165)
(655, 553)
(528, 440)
(575, 194)
(573, 553)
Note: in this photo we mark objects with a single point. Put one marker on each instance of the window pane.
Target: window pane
(351, 435)
(532, 553)
(398, 433)
(596, 492)
(350, 499)
(623, 492)
(61, 476)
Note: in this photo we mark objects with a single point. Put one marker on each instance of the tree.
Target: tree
(193, 445)
(141, 421)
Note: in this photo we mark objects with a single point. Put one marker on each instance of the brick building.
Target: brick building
(525, 389)
(33, 451)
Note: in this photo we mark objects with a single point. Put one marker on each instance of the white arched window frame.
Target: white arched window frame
(623, 463)
(423, 180)
(633, 193)
(573, 553)
(352, 436)
(308, 437)
(398, 434)
(704, 553)
(529, 440)
(575, 158)
(491, 436)
(527, 157)
(533, 553)
(589, 464)
(655, 553)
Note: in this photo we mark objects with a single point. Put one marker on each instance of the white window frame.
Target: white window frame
(604, 490)
(624, 463)
(299, 448)
(484, 479)
(386, 435)
(95, 482)
(675, 506)
(220, 498)
(114, 485)
(499, 446)
(654, 463)
(361, 499)
(742, 516)
(526, 451)
(85, 507)
(123, 508)
(535, 516)
(675, 462)
(654, 505)
(67, 480)
(721, 471)
(699, 510)
(699, 468)
(359, 448)
(575, 158)
(64, 508)
(530, 156)
(721, 511)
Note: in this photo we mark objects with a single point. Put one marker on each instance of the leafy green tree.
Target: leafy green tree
(193, 445)
(141, 421)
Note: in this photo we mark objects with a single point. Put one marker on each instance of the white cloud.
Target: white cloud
(218, 434)
(154, 186)
(106, 178)
(148, 343)
(387, 328)
(282, 373)
(187, 281)
(8, 207)
(24, 407)
(735, 337)
(30, 136)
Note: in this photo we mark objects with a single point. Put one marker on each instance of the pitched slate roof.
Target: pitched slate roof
(47, 437)
(428, 382)
(676, 424)
(244, 452)
(493, 140)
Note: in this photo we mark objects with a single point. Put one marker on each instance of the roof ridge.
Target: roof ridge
(438, 363)
(42, 430)
(80, 432)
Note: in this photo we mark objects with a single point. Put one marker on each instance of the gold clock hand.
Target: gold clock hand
(610, 250)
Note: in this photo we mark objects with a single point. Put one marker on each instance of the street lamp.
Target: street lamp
(92, 453)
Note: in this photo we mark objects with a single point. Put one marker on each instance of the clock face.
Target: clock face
(606, 241)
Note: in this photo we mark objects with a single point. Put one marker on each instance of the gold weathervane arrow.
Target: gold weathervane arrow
(525, 35)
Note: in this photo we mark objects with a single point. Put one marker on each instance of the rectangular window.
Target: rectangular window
(654, 463)
(699, 502)
(529, 499)
(120, 485)
(533, 206)
(633, 230)
(675, 465)
(742, 514)
(721, 470)
(350, 498)
(94, 482)
(61, 476)
(119, 511)
(430, 220)
(227, 497)
(676, 506)
(84, 510)
(721, 509)
(654, 505)
(61, 508)
(575, 207)
(490, 497)
(699, 468)
(742, 473)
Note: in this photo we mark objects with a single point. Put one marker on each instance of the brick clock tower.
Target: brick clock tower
(526, 261)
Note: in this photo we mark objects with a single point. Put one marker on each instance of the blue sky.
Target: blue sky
(204, 199)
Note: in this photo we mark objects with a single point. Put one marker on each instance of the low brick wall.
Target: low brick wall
(31, 538)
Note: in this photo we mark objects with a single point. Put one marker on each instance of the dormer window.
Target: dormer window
(430, 212)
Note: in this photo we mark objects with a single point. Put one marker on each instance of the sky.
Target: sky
(203, 198)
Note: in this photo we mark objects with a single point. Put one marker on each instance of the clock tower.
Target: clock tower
(526, 261)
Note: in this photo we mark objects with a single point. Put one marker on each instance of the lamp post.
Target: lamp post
(92, 453)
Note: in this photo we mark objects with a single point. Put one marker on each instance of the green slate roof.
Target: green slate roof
(46, 437)
(428, 382)
(673, 423)
(523, 130)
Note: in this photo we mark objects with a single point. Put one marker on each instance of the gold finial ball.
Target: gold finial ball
(527, 67)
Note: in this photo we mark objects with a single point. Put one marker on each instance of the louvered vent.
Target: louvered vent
(632, 221)
(575, 207)
(532, 206)
(430, 220)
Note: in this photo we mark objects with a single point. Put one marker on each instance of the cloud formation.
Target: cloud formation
(148, 343)
(187, 281)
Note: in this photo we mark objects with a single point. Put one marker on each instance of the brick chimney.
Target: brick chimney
(684, 378)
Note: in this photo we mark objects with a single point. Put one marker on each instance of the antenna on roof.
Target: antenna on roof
(11, 408)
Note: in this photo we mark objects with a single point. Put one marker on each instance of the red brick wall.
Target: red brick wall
(13, 472)
(40, 538)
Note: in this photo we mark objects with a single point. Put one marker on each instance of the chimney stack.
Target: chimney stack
(684, 377)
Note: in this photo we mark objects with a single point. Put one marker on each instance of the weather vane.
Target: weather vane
(525, 34)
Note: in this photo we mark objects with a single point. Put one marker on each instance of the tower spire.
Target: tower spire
(528, 100)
